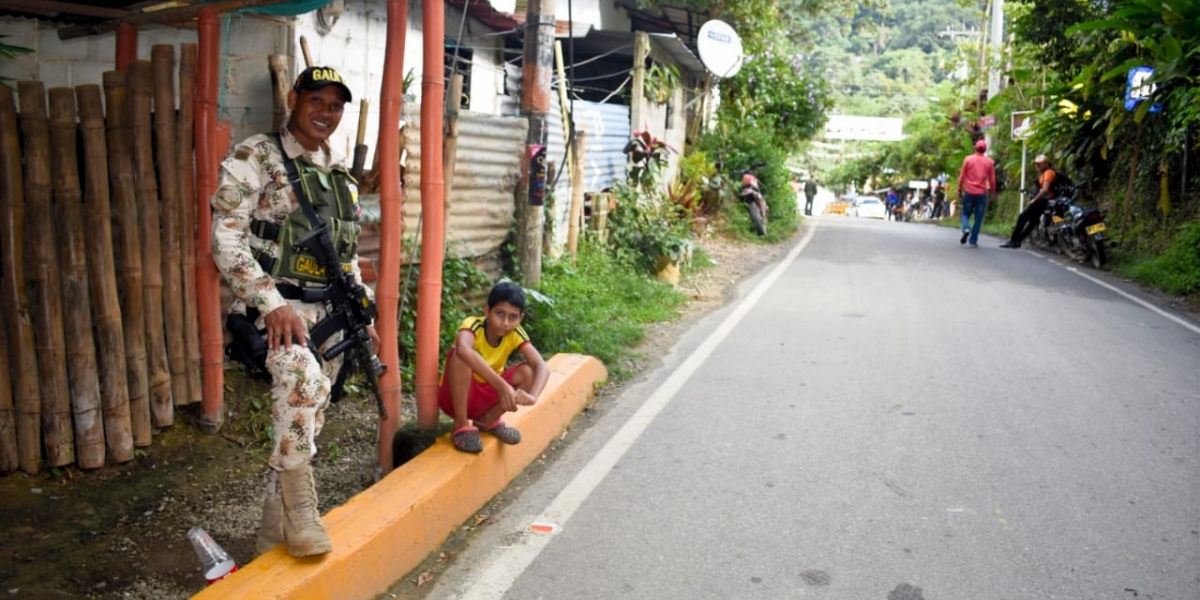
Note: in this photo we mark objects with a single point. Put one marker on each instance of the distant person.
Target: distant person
(893, 202)
(976, 184)
(810, 192)
(476, 388)
(1028, 218)
(939, 199)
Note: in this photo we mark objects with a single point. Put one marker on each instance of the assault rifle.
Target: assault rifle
(349, 310)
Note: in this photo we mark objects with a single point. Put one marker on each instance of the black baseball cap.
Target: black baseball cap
(315, 78)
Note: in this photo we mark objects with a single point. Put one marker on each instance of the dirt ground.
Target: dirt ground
(120, 532)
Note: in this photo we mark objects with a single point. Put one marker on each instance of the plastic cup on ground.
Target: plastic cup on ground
(215, 561)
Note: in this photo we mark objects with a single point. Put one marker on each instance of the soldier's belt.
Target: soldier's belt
(304, 294)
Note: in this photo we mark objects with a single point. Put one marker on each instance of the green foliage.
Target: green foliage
(1044, 28)
(596, 306)
(10, 52)
(645, 226)
(740, 150)
(773, 94)
(1177, 269)
(661, 82)
(646, 223)
(461, 280)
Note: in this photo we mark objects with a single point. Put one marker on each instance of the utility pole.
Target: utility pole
(535, 103)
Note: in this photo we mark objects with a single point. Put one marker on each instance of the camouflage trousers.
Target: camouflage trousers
(300, 387)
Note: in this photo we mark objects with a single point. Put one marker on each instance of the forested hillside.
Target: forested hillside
(889, 61)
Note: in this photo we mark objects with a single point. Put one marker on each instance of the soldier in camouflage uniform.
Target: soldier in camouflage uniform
(255, 210)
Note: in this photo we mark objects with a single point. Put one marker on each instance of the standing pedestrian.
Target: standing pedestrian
(272, 187)
(810, 192)
(976, 184)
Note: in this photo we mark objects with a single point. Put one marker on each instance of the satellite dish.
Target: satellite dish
(720, 48)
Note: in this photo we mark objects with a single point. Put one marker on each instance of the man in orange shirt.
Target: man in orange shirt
(976, 184)
(1028, 219)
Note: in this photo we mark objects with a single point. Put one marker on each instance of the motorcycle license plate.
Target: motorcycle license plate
(1094, 229)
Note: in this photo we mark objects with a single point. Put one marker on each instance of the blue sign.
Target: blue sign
(1137, 90)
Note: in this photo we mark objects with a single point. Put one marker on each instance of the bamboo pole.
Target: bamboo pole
(576, 210)
(120, 173)
(73, 278)
(187, 195)
(106, 304)
(8, 423)
(277, 65)
(27, 394)
(162, 58)
(450, 152)
(162, 411)
(57, 436)
(208, 294)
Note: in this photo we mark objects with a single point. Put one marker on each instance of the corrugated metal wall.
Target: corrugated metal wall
(607, 127)
(481, 203)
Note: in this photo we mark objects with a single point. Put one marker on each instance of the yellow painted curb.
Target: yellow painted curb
(388, 529)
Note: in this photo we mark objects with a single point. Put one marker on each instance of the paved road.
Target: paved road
(884, 415)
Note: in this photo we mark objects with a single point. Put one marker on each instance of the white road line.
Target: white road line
(1146, 305)
(504, 566)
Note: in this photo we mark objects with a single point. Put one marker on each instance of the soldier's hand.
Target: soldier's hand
(375, 341)
(284, 327)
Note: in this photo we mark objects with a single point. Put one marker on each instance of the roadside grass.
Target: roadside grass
(597, 306)
(1171, 263)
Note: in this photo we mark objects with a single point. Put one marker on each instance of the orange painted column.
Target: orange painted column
(208, 159)
(433, 205)
(127, 39)
(387, 290)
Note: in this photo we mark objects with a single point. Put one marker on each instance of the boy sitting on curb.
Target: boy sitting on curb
(475, 384)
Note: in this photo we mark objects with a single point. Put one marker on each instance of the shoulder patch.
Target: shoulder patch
(227, 198)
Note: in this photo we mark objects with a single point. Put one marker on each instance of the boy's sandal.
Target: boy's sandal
(506, 434)
(467, 439)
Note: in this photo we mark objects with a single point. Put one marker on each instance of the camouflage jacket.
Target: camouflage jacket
(254, 185)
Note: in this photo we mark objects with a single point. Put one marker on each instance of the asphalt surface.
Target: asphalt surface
(883, 415)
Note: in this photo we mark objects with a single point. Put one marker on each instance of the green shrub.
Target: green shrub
(752, 149)
(461, 280)
(596, 306)
(1177, 269)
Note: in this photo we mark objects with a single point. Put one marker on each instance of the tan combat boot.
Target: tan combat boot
(302, 528)
(270, 532)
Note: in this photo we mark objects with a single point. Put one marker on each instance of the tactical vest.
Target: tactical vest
(332, 193)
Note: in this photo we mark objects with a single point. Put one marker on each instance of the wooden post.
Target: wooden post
(535, 103)
(57, 435)
(280, 86)
(120, 174)
(8, 423)
(576, 212)
(563, 103)
(450, 152)
(187, 196)
(73, 278)
(139, 85)
(106, 305)
(27, 395)
(637, 101)
(162, 57)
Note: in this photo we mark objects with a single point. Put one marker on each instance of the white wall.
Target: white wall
(355, 46)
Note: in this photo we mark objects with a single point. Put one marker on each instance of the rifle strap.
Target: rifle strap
(293, 175)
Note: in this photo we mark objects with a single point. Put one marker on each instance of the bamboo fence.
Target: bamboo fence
(100, 339)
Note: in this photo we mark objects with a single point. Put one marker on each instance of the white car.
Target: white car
(867, 206)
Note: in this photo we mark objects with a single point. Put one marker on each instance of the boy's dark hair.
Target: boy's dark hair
(507, 291)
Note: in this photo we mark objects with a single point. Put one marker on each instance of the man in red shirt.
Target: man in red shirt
(976, 184)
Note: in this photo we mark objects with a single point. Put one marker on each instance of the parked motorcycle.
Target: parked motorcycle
(1046, 234)
(752, 196)
(1080, 235)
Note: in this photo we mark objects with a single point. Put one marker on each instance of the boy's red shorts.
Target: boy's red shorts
(481, 396)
